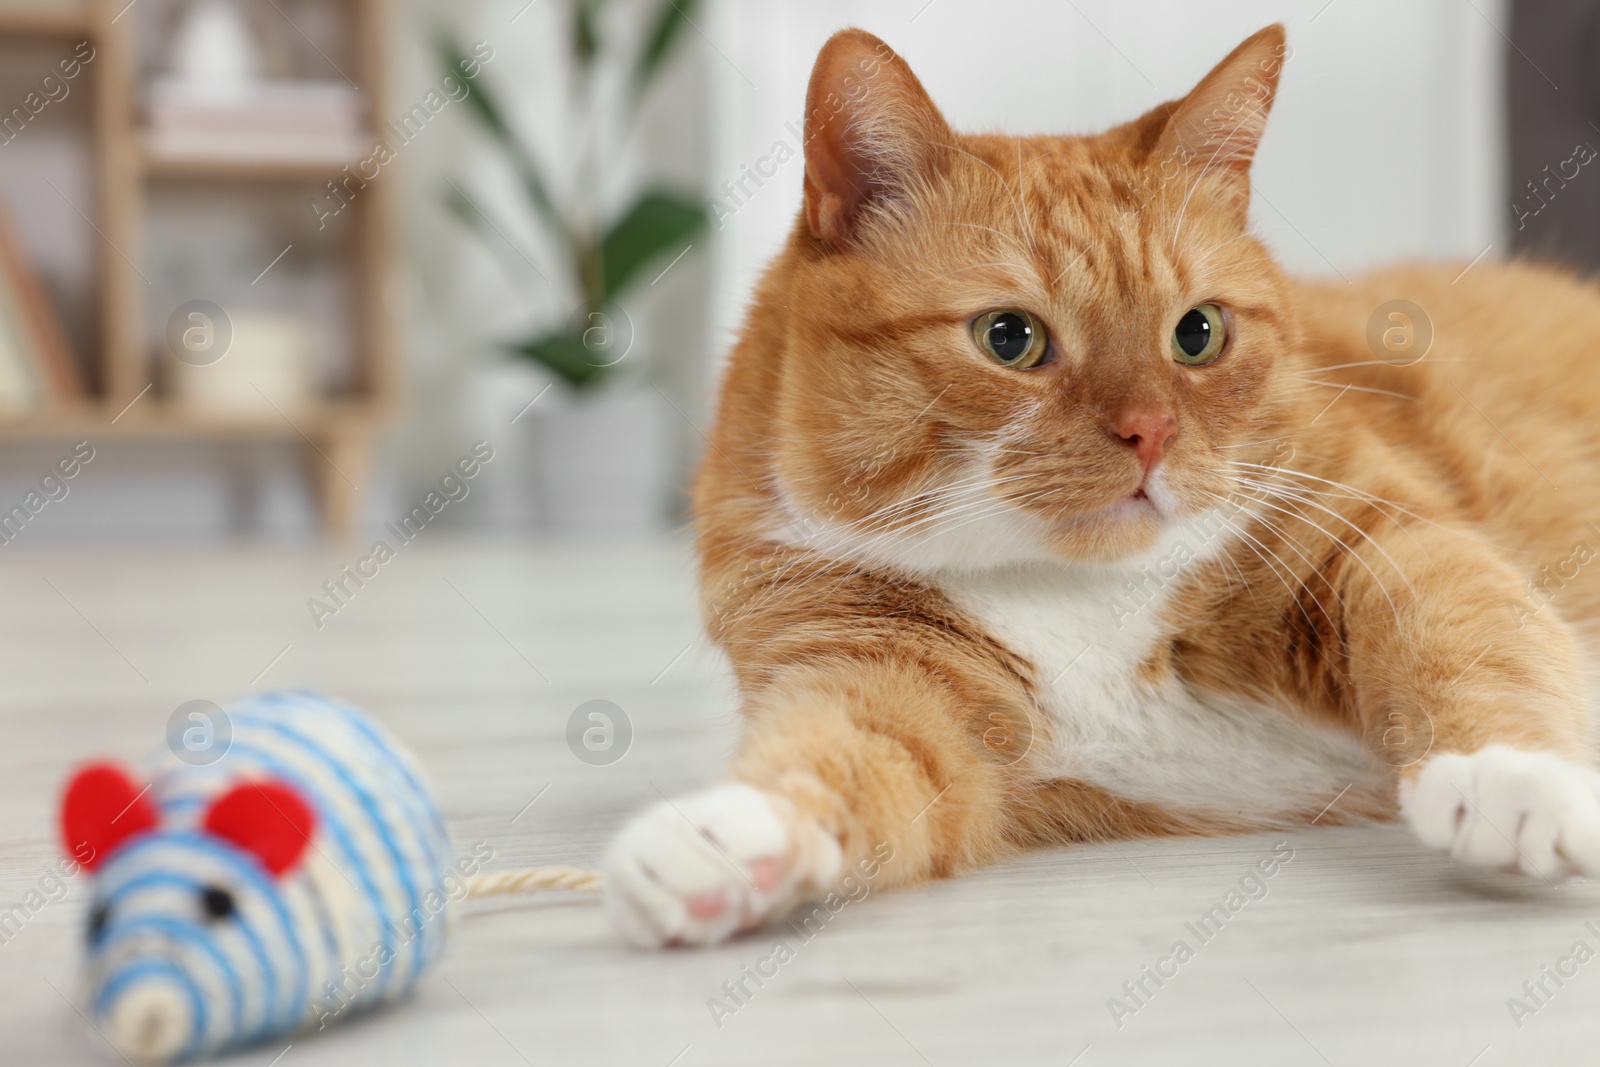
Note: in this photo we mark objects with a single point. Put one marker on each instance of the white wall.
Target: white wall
(1385, 141)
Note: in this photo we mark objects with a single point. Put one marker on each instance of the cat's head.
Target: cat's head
(995, 348)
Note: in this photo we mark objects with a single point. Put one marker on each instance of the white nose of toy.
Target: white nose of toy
(150, 1022)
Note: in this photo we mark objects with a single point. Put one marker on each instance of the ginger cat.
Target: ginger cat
(1043, 507)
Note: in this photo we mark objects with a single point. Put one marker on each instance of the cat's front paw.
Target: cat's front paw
(1536, 813)
(703, 867)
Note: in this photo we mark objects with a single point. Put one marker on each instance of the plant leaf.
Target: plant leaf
(472, 216)
(466, 211)
(565, 355)
(586, 31)
(658, 221)
(483, 104)
(671, 18)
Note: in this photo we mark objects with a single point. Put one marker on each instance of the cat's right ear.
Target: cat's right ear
(872, 133)
(1212, 134)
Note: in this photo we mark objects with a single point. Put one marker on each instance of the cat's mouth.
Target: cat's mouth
(1137, 504)
(1135, 507)
(1141, 501)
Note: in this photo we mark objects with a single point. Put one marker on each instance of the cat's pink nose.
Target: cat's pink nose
(1146, 430)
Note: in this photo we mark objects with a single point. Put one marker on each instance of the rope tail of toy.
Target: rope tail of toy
(534, 880)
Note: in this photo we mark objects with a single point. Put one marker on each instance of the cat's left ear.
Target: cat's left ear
(1216, 129)
(872, 133)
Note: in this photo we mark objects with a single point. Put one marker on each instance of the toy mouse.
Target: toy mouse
(301, 877)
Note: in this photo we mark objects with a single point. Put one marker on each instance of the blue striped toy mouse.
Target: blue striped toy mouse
(303, 876)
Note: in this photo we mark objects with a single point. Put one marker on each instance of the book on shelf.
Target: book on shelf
(300, 121)
(36, 360)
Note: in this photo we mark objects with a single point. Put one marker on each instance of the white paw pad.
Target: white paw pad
(701, 868)
(1536, 813)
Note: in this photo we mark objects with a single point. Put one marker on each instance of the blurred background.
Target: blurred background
(281, 263)
(282, 281)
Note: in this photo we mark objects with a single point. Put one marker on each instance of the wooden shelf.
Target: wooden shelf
(337, 434)
(158, 419)
(19, 20)
(237, 168)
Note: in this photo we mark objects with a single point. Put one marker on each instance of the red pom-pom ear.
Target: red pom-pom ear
(102, 807)
(267, 819)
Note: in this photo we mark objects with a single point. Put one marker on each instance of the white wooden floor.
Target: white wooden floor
(1363, 951)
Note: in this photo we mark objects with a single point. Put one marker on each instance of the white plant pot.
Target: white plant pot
(601, 462)
(494, 407)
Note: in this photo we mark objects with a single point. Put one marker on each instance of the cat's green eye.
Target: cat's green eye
(1200, 336)
(1011, 337)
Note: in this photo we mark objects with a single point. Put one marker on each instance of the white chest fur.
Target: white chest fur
(1147, 739)
(1115, 727)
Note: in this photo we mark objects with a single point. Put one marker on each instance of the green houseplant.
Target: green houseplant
(602, 257)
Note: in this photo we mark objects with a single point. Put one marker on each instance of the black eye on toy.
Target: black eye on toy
(217, 903)
(97, 923)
